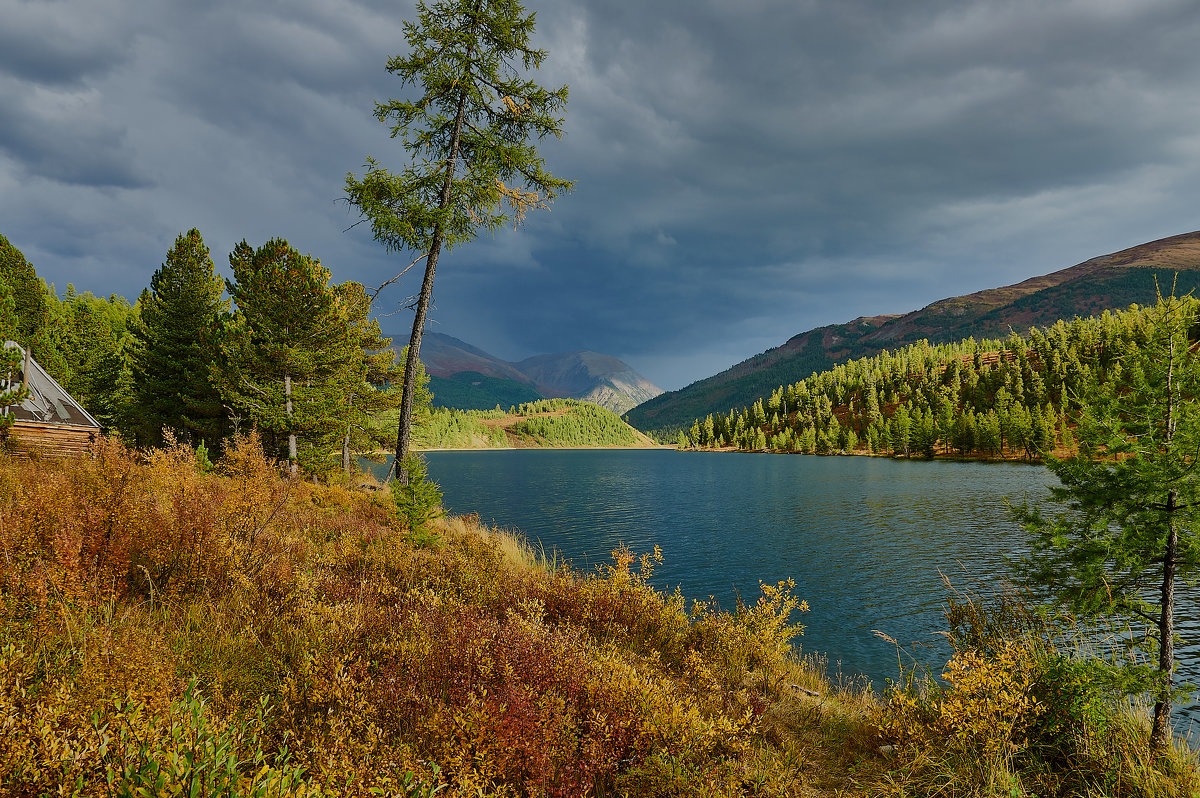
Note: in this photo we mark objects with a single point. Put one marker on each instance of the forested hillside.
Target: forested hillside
(548, 423)
(1108, 282)
(1013, 398)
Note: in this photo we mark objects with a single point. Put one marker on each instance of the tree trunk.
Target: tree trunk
(292, 455)
(346, 442)
(1160, 733)
(404, 432)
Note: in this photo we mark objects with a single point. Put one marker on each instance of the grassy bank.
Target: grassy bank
(165, 627)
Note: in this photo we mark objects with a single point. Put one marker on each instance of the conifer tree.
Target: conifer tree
(40, 327)
(285, 352)
(1134, 496)
(468, 130)
(11, 391)
(8, 312)
(26, 291)
(92, 345)
(175, 343)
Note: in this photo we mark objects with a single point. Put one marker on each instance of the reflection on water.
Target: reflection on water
(866, 539)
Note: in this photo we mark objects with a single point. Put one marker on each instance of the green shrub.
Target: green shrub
(418, 500)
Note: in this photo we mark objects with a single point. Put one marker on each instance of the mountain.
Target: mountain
(466, 377)
(1102, 283)
(445, 356)
(592, 377)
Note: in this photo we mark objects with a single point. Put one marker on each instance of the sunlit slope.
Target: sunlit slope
(547, 423)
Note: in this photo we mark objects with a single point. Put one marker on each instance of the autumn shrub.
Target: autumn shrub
(501, 701)
(144, 642)
(753, 638)
(123, 747)
(1020, 712)
(617, 605)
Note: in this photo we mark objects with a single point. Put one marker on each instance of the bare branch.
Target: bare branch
(407, 269)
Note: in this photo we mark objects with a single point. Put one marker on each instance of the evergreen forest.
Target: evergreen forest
(1016, 398)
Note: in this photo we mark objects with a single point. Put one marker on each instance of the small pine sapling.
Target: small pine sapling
(418, 501)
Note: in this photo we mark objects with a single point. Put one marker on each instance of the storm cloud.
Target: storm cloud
(744, 171)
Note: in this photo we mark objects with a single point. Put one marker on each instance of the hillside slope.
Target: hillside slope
(1106, 282)
(544, 424)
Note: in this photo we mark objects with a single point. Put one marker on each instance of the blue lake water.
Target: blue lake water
(866, 540)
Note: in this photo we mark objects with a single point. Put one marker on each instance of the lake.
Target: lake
(866, 539)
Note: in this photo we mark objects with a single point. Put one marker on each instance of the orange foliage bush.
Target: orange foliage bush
(138, 574)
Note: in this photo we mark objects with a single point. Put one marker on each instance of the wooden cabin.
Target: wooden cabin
(48, 421)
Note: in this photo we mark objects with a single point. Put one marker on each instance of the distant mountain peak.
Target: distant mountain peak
(582, 374)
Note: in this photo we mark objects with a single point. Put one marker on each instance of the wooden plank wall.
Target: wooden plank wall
(55, 440)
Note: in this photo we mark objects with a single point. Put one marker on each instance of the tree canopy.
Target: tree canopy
(26, 291)
(284, 352)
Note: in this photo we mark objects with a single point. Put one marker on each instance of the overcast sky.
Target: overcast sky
(745, 170)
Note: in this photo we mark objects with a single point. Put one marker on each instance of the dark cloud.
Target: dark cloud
(64, 137)
(57, 43)
(745, 171)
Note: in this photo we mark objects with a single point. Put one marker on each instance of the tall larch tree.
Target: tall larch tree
(175, 343)
(470, 131)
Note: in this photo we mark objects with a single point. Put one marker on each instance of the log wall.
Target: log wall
(54, 440)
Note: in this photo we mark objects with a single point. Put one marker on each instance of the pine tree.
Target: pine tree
(175, 343)
(285, 354)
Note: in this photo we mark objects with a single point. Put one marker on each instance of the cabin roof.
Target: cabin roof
(48, 402)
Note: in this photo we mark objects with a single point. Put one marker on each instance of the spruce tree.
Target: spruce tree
(174, 345)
